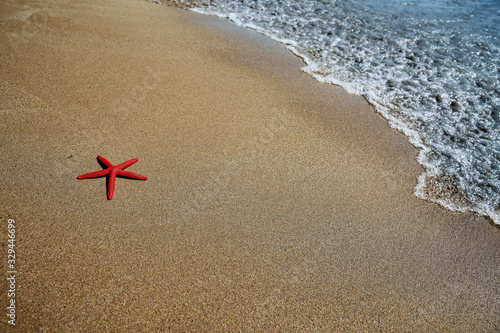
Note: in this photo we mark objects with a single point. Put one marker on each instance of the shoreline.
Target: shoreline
(273, 202)
(430, 182)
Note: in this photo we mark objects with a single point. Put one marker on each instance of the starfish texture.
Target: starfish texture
(113, 171)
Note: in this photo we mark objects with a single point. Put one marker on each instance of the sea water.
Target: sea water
(430, 67)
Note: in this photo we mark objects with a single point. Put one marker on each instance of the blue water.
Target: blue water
(431, 68)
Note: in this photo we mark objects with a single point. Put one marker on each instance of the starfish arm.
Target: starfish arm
(111, 184)
(127, 164)
(105, 161)
(94, 174)
(131, 175)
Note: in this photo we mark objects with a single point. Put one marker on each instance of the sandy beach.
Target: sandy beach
(274, 203)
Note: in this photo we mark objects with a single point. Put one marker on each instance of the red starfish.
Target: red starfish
(113, 170)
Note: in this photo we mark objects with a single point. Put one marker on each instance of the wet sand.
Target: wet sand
(273, 203)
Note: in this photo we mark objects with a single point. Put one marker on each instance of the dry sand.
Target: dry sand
(273, 203)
